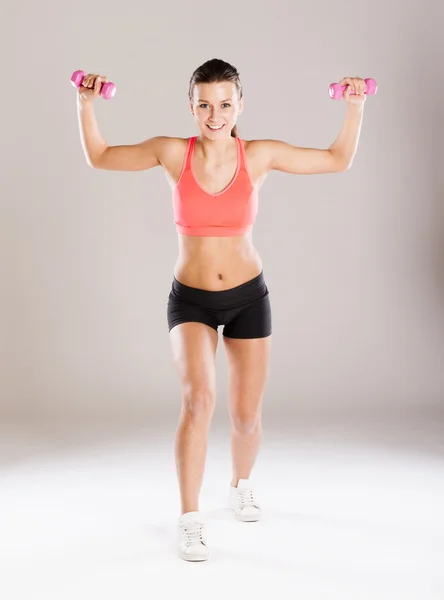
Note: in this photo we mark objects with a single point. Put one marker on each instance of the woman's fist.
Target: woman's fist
(357, 86)
(91, 85)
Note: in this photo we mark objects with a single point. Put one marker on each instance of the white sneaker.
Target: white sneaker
(243, 503)
(192, 543)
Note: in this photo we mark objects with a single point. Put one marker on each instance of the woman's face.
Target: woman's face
(216, 106)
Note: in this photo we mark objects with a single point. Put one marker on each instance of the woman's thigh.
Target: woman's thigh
(194, 348)
(248, 365)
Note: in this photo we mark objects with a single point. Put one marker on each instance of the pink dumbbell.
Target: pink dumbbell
(107, 90)
(336, 90)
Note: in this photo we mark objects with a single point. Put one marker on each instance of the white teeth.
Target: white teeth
(215, 127)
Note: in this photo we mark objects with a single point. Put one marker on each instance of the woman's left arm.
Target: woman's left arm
(281, 156)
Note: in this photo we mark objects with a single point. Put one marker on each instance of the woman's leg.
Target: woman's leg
(194, 347)
(248, 362)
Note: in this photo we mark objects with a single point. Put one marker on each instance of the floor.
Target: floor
(353, 510)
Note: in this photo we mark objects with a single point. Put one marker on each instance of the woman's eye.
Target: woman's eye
(225, 104)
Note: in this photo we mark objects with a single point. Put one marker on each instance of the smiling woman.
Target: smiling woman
(218, 280)
(213, 72)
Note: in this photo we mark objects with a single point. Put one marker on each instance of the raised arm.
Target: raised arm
(281, 156)
(99, 155)
(302, 161)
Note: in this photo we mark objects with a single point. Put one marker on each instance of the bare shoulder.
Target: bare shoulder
(171, 144)
(258, 154)
(167, 148)
(254, 147)
(170, 156)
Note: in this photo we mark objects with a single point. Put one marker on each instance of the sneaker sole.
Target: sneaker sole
(247, 519)
(198, 558)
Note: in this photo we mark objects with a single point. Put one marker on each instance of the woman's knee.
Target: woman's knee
(245, 422)
(198, 402)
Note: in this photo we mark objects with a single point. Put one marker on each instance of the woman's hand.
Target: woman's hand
(91, 86)
(357, 85)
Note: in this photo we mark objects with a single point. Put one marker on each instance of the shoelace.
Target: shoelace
(245, 496)
(193, 533)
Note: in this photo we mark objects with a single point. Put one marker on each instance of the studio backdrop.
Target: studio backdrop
(354, 261)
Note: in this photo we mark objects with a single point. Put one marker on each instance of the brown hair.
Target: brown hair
(216, 71)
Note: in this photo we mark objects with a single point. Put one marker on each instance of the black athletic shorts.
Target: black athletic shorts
(244, 310)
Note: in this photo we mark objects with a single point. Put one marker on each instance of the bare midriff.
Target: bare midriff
(216, 263)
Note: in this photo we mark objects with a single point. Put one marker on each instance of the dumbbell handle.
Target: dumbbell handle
(336, 91)
(107, 90)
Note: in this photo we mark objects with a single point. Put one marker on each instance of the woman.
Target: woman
(218, 279)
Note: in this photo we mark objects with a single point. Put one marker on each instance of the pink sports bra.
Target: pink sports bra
(230, 212)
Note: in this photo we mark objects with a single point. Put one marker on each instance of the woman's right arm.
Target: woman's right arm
(100, 155)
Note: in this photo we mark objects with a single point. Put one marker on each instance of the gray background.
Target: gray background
(354, 261)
